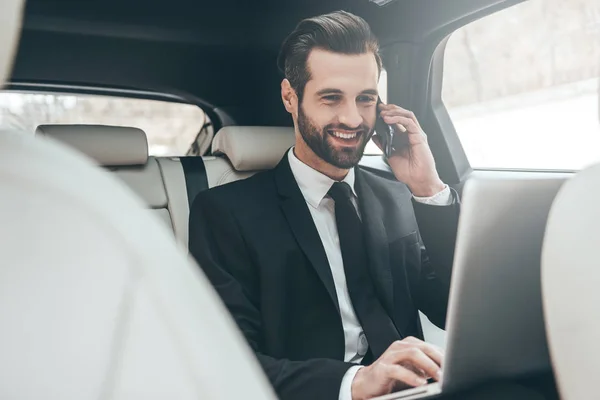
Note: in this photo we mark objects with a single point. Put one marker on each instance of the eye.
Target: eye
(366, 99)
(332, 97)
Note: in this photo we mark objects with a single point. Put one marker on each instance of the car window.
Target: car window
(171, 127)
(522, 86)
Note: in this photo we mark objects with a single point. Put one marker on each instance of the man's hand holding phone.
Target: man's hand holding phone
(412, 162)
(406, 363)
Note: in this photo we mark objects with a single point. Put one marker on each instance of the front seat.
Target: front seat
(96, 298)
(570, 285)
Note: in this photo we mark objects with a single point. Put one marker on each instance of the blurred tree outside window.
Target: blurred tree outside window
(522, 86)
(171, 128)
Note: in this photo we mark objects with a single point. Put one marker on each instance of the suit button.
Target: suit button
(363, 345)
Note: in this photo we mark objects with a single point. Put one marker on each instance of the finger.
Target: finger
(417, 359)
(412, 340)
(393, 109)
(402, 374)
(422, 361)
(434, 352)
(404, 124)
(416, 370)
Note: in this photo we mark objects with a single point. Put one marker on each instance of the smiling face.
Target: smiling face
(336, 116)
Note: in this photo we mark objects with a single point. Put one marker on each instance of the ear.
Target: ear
(289, 98)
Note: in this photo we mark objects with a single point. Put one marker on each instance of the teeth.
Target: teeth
(345, 135)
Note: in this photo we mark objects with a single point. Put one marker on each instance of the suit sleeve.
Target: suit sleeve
(437, 226)
(216, 242)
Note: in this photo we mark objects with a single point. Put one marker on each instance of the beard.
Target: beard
(320, 141)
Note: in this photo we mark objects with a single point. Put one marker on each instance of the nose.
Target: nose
(350, 116)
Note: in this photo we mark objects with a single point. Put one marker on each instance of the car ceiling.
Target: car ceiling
(222, 53)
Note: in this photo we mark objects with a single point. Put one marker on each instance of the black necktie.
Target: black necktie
(375, 322)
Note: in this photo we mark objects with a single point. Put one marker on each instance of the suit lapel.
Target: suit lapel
(372, 214)
(303, 227)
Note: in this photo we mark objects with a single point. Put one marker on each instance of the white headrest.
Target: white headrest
(108, 145)
(570, 280)
(253, 148)
(11, 18)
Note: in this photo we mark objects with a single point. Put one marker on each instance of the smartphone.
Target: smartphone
(390, 139)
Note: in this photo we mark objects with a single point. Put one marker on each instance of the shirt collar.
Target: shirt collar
(313, 184)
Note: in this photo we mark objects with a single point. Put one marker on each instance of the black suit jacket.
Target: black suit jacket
(256, 241)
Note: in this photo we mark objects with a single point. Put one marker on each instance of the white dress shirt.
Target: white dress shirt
(314, 187)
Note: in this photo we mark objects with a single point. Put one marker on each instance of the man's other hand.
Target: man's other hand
(406, 363)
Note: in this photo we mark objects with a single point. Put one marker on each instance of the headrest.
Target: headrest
(108, 145)
(11, 19)
(253, 148)
(569, 282)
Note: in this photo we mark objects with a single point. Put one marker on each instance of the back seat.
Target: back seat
(241, 151)
(124, 151)
(169, 185)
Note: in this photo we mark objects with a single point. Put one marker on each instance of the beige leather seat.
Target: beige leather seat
(571, 285)
(96, 298)
(241, 151)
(159, 182)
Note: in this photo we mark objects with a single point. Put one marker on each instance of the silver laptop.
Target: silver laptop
(495, 323)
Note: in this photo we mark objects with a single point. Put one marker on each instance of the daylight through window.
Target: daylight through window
(171, 127)
(522, 86)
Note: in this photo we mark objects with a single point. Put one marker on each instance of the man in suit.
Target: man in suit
(322, 264)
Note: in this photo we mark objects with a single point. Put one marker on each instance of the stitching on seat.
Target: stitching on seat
(225, 176)
(169, 203)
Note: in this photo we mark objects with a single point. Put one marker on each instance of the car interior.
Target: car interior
(220, 58)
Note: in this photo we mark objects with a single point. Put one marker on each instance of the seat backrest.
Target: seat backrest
(241, 151)
(159, 182)
(96, 298)
(570, 282)
(167, 185)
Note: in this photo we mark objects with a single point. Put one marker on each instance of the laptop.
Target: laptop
(495, 327)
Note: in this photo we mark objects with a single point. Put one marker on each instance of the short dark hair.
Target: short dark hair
(338, 32)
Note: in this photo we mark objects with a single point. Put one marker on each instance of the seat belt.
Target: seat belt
(196, 179)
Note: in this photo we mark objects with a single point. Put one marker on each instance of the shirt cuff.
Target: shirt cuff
(346, 386)
(443, 198)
